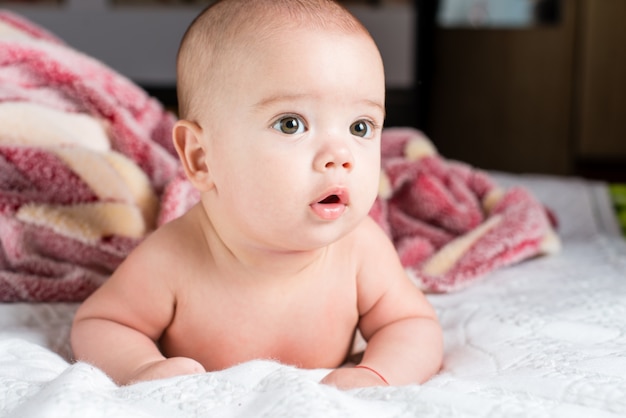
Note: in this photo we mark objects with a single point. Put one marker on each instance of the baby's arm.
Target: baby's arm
(116, 328)
(405, 343)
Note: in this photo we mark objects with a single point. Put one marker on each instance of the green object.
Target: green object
(618, 195)
(621, 216)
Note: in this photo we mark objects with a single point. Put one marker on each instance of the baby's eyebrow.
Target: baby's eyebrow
(374, 104)
(378, 105)
(278, 98)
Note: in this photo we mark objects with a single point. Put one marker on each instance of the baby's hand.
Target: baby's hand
(353, 377)
(175, 366)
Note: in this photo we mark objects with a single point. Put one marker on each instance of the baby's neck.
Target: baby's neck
(245, 259)
(277, 264)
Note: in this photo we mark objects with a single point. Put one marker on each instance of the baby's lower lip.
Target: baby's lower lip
(328, 211)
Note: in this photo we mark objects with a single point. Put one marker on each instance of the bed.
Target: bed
(540, 336)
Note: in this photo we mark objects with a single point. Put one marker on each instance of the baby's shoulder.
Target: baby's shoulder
(372, 244)
(181, 232)
(369, 233)
(171, 246)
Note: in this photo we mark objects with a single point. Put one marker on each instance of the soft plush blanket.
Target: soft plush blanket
(543, 338)
(84, 156)
(87, 170)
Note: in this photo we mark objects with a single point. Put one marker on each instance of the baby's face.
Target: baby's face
(294, 149)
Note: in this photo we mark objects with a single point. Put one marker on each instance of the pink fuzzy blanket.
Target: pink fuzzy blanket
(87, 169)
(450, 222)
(84, 157)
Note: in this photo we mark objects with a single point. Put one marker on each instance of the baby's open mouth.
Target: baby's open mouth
(333, 198)
(332, 205)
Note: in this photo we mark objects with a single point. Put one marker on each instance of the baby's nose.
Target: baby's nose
(334, 156)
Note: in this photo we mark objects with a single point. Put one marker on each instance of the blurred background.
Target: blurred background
(515, 85)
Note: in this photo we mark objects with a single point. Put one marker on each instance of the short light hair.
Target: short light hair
(230, 24)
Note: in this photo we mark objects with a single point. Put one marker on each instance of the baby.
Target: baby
(282, 104)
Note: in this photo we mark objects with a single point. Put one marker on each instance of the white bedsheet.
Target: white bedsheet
(544, 338)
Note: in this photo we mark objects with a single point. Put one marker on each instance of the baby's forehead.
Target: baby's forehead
(219, 39)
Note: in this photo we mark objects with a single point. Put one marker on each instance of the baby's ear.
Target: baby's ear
(187, 137)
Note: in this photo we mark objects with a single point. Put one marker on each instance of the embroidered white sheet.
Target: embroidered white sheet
(546, 337)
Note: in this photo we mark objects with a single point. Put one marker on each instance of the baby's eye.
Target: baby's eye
(362, 128)
(289, 125)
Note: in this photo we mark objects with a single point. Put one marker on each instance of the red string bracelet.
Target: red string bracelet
(360, 366)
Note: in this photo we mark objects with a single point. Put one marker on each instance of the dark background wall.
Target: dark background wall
(549, 98)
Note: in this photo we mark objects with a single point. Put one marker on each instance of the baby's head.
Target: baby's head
(218, 40)
(282, 106)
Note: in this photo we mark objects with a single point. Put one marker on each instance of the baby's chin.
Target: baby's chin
(327, 233)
